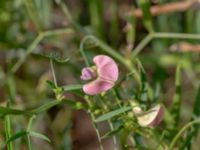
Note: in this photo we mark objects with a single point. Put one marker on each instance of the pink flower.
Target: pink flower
(150, 118)
(103, 75)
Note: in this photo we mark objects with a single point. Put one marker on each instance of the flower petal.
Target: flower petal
(153, 118)
(87, 74)
(106, 67)
(97, 86)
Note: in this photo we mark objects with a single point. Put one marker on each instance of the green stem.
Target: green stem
(114, 137)
(176, 35)
(94, 124)
(120, 106)
(34, 44)
(181, 132)
(109, 123)
(8, 131)
(153, 35)
(53, 73)
(29, 50)
(28, 129)
(141, 45)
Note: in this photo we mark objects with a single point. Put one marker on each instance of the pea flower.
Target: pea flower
(102, 76)
(150, 118)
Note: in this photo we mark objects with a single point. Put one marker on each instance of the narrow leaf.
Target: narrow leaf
(113, 113)
(39, 135)
(16, 136)
(72, 87)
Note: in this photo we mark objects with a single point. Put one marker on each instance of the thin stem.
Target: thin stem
(53, 73)
(94, 124)
(30, 122)
(141, 45)
(28, 129)
(8, 131)
(83, 52)
(29, 50)
(114, 137)
(58, 32)
(176, 35)
(28, 138)
(153, 35)
(34, 44)
(109, 123)
(181, 132)
(120, 106)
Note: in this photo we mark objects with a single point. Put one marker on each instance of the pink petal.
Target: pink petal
(106, 67)
(97, 86)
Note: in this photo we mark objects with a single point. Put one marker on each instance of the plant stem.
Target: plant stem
(8, 131)
(171, 146)
(141, 45)
(53, 73)
(109, 123)
(28, 129)
(94, 124)
(176, 35)
(34, 44)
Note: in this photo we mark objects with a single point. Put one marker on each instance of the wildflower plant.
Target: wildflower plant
(123, 90)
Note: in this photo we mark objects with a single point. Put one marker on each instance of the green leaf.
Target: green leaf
(113, 113)
(39, 135)
(16, 136)
(43, 107)
(72, 87)
(5, 111)
(51, 84)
